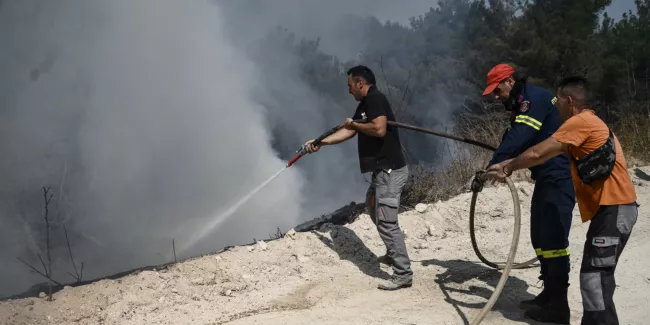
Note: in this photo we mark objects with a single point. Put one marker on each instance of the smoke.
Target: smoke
(148, 119)
(145, 106)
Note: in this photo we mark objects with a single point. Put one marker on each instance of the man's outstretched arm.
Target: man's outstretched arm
(339, 136)
(534, 156)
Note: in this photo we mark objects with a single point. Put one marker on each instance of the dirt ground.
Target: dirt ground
(329, 276)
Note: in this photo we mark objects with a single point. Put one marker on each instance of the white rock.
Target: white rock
(432, 230)
(174, 290)
(162, 299)
(421, 207)
(405, 231)
(42, 294)
(290, 234)
(250, 248)
(218, 258)
(262, 245)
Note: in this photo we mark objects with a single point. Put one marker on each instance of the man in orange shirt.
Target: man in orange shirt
(604, 192)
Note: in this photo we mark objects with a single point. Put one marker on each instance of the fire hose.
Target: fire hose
(477, 186)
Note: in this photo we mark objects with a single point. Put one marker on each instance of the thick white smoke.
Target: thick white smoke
(146, 106)
(149, 118)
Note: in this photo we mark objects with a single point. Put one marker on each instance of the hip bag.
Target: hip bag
(599, 163)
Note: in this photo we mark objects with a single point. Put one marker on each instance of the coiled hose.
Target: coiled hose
(510, 262)
(477, 186)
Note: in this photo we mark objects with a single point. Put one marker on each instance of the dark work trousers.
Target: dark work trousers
(382, 200)
(551, 212)
(609, 231)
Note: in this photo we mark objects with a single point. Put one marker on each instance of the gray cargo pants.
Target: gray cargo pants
(609, 231)
(382, 200)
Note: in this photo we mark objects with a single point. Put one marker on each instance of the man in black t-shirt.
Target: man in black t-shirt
(380, 153)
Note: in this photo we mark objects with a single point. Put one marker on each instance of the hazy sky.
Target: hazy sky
(618, 7)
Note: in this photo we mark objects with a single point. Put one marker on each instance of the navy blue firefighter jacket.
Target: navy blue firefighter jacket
(536, 119)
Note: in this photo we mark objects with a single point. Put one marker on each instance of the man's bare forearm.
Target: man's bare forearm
(375, 128)
(536, 155)
(338, 137)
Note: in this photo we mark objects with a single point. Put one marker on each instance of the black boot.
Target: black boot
(538, 301)
(555, 309)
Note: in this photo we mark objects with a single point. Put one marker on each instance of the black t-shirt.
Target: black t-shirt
(377, 153)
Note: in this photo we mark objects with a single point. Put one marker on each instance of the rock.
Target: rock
(262, 245)
(325, 227)
(42, 295)
(432, 230)
(218, 258)
(162, 299)
(290, 234)
(174, 290)
(421, 207)
(250, 248)
(406, 235)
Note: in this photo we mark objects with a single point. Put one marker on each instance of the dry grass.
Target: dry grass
(430, 183)
(633, 132)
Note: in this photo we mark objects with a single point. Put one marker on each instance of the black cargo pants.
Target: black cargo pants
(382, 200)
(609, 231)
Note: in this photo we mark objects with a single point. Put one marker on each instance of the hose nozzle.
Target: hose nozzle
(301, 152)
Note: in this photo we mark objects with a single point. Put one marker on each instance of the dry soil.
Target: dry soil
(329, 276)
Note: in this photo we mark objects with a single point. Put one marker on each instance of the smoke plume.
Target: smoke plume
(148, 119)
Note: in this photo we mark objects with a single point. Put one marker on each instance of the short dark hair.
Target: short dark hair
(577, 87)
(361, 71)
